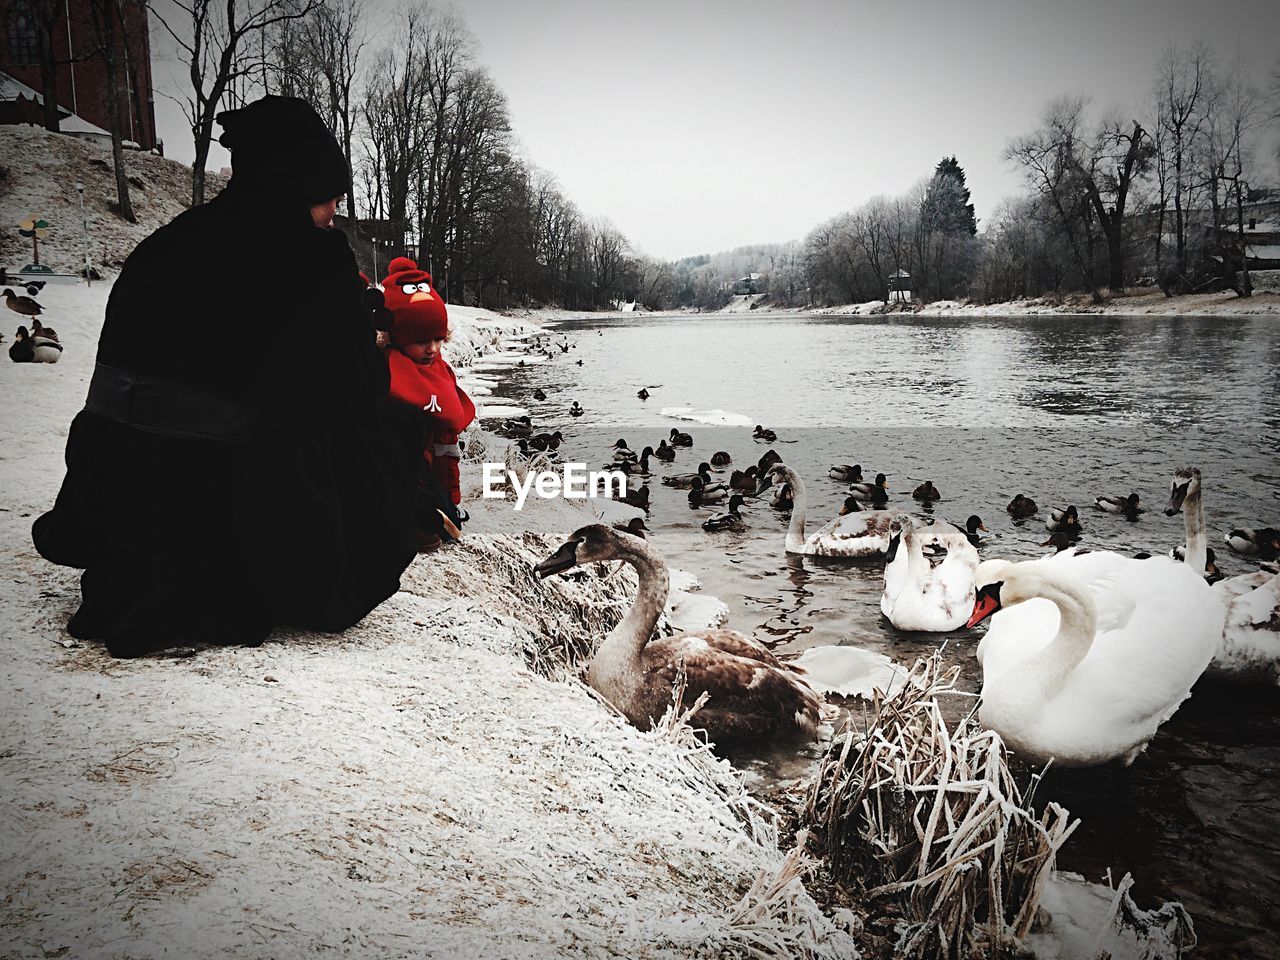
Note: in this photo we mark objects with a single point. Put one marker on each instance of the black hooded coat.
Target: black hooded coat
(238, 465)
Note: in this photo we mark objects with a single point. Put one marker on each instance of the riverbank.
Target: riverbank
(433, 780)
(1137, 302)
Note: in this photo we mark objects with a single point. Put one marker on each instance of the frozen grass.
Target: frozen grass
(931, 819)
(410, 787)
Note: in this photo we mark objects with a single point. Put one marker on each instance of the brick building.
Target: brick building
(81, 74)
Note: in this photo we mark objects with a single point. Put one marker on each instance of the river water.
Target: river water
(1062, 409)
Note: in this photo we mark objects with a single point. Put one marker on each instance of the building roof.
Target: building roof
(11, 88)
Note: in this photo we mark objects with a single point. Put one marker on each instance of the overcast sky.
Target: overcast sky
(702, 125)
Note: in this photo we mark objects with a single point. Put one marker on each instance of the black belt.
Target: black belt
(173, 409)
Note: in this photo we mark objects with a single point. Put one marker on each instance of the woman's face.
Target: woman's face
(322, 213)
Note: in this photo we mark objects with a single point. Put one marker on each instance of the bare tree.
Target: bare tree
(1086, 179)
(110, 28)
(215, 40)
(1182, 98)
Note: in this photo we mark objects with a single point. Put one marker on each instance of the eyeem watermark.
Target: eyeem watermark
(573, 482)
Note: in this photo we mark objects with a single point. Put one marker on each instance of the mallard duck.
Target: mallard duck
(700, 496)
(846, 473)
(1092, 680)
(863, 534)
(539, 394)
(1061, 540)
(850, 505)
(1129, 506)
(679, 439)
(732, 520)
(1064, 520)
(1021, 507)
(517, 427)
(744, 480)
(751, 694)
(721, 458)
(643, 394)
(875, 493)
(665, 451)
(685, 480)
(970, 529)
(1262, 542)
(640, 467)
(546, 441)
(28, 349)
(23, 305)
(635, 526)
(636, 498)
(767, 460)
(783, 498)
(712, 486)
(926, 492)
(621, 452)
(38, 329)
(576, 409)
(763, 434)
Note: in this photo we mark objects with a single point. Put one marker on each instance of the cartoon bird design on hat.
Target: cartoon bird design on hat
(420, 313)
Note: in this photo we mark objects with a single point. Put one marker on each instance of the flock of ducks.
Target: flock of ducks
(1086, 653)
(40, 343)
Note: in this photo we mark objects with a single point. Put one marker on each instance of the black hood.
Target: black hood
(281, 148)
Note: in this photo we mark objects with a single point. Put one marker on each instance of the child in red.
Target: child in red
(421, 376)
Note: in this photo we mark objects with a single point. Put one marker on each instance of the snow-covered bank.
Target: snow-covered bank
(413, 786)
(1139, 302)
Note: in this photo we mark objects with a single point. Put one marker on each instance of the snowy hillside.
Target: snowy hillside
(38, 175)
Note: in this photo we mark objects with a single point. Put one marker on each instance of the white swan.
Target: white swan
(862, 534)
(1249, 645)
(752, 694)
(1089, 654)
(919, 596)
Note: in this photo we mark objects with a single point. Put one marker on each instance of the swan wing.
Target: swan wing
(1141, 670)
(749, 690)
(864, 532)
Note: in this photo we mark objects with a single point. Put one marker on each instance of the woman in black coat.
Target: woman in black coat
(238, 464)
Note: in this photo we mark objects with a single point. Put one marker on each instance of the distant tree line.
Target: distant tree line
(1146, 194)
(1156, 195)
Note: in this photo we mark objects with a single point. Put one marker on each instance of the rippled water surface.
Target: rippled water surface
(1062, 409)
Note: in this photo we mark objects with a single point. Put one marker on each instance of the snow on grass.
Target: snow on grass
(433, 780)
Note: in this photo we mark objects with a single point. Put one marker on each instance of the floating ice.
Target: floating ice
(716, 418)
(849, 671)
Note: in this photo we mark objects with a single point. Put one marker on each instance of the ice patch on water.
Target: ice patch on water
(715, 418)
(849, 671)
(490, 410)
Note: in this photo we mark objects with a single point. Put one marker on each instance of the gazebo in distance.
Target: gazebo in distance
(900, 287)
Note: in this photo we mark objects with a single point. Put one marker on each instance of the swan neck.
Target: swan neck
(621, 649)
(917, 565)
(1076, 629)
(1197, 555)
(799, 501)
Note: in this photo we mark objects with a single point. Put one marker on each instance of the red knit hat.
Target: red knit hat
(419, 312)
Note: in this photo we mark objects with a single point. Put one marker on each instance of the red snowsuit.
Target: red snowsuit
(434, 390)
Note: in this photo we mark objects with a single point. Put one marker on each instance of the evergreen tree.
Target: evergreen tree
(946, 206)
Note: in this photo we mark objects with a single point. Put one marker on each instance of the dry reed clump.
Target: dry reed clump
(932, 820)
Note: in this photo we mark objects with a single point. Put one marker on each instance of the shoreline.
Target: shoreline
(437, 775)
(1264, 302)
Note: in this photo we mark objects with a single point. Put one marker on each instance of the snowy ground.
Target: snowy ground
(408, 787)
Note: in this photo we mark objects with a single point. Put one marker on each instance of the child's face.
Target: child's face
(423, 351)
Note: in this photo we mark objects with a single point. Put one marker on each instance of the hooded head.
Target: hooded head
(279, 145)
(417, 310)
